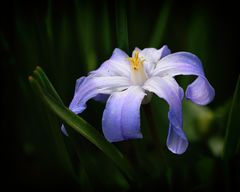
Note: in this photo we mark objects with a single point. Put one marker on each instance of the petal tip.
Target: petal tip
(177, 142)
(164, 51)
(112, 139)
(179, 147)
(118, 54)
(198, 96)
(64, 131)
(134, 136)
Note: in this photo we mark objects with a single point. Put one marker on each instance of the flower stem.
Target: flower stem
(152, 127)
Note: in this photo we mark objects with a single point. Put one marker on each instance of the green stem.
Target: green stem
(152, 127)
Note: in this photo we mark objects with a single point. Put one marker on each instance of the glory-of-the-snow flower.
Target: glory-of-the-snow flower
(127, 82)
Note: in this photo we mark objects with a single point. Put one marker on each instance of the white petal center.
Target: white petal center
(138, 74)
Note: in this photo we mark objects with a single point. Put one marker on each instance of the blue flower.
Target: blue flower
(127, 82)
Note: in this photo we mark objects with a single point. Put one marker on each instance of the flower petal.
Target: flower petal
(117, 65)
(183, 63)
(121, 117)
(63, 129)
(200, 91)
(154, 55)
(78, 83)
(151, 56)
(91, 86)
(101, 97)
(168, 89)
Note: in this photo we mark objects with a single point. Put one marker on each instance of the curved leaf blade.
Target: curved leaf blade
(79, 125)
(232, 139)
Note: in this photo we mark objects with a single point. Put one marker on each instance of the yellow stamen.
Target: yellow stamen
(138, 75)
(135, 61)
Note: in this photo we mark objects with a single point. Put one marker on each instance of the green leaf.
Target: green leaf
(121, 26)
(45, 82)
(46, 91)
(54, 125)
(232, 139)
(106, 36)
(157, 36)
(85, 26)
(198, 36)
(62, 151)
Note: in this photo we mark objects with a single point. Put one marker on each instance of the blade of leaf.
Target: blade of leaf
(121, 26)
(106, 30)
(84, 129)
(232, 139)
(197, 37)
(60, 145)
(45, 82)
(85, 27)
(61, 148)
(157, 36)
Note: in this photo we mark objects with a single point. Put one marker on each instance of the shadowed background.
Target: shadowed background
(68, 40)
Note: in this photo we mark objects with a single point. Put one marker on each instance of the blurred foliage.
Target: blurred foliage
(232, 139)
(69, 39)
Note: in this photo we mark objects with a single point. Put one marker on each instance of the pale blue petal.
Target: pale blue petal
(184, 63)
(112, 75)
(180, 63)
(117, 65)
(78, 83)
(168, 89)
(101, 97)
(154, 55)
(63, 129)
(151, 57)
(91, 86)
(176, 140)
(119, 55)
(164, 51)
(121, 117)
(200, 91)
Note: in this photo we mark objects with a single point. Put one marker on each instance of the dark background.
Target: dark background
(70, 38)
